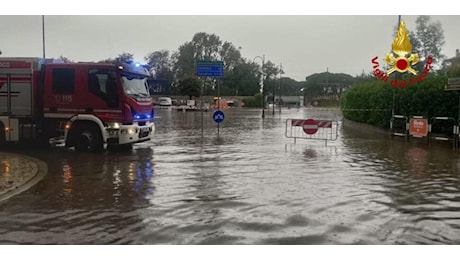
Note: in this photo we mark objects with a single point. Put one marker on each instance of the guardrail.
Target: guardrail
(449, 122)
(436, 128)
(399, 126)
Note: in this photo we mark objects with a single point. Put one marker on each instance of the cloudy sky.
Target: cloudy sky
(303, 44)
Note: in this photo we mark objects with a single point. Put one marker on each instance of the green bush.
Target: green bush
(255, 101)
(371, 101)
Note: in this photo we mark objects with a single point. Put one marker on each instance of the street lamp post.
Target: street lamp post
(261, 83)
(393, 106)
(281, 72)
(43, 36)
(273, 105)
(273, 99)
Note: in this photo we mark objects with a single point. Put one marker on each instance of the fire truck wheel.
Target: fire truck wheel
(89, 139)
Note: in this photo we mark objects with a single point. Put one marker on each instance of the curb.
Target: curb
(18, 173)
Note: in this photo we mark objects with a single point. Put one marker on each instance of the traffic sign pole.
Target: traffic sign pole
(218, 104)
(202, 116)
(213, 69)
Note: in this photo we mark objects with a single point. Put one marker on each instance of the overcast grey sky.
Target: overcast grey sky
(304, 44)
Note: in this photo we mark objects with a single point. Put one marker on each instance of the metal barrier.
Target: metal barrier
(434, 135)
(401, 128)
(457, 134)
(316, 129)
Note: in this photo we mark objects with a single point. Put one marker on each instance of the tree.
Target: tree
(326, 83)
(242, 79)
(207, 46)
(184, 61)
(430, 36)
(271, 71)
(122, 58)
(230, 55)
(426, 40)
(289, 87)
(255, 101)
(65, 59)
(159, 64)
(190, 87)
(202, 47)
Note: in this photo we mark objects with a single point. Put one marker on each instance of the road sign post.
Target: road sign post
(218, 117)
(213, 69)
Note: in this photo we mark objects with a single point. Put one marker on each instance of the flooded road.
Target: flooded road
(250, 185)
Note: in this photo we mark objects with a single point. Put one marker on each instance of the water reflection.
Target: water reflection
(89, 179)
(249, 185)
(85, 198)
(418, 160)
(5, 168)
(419, 183)
(67, 178)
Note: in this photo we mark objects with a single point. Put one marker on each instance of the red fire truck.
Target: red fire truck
(90, 105)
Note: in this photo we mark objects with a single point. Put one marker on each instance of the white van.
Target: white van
(164, 101)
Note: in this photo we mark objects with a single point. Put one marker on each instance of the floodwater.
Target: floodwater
(250, 185)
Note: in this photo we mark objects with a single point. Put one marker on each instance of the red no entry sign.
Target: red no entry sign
(310, 126)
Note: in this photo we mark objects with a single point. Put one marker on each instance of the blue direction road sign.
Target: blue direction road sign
(218, 116)
(210, 69)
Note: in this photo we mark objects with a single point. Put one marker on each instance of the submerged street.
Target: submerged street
(250, 185)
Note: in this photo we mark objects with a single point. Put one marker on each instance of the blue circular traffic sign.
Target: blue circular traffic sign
(218, 116)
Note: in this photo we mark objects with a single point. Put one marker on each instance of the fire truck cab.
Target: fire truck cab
(90, 105)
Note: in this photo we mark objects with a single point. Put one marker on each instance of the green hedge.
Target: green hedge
(255, 101)
(371, 101)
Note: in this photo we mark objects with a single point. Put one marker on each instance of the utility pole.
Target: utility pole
(281, 72)
(327, 80)
(273, 104)
(43, 35)
(394, 96)
(261, 83)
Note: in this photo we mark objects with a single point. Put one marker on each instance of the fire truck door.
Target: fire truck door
(16, 94)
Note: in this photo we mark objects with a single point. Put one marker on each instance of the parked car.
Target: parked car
(164, 101)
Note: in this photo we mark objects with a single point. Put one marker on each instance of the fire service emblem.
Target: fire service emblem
(401, 60)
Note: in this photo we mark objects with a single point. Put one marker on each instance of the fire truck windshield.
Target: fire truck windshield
(135, 86)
